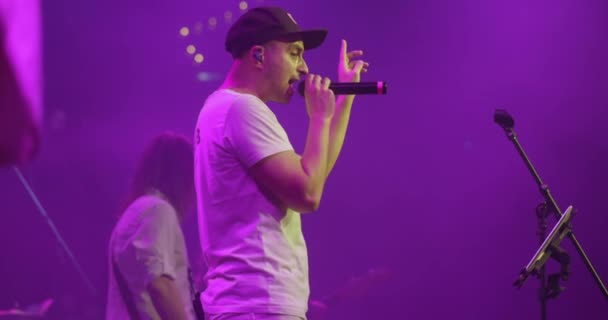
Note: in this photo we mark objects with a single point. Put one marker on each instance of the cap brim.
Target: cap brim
(311, 38)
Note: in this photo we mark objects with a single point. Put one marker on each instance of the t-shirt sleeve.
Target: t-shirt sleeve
(253, 131)
(151, 249)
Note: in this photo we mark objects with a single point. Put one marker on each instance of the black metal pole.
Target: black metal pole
(541, 214)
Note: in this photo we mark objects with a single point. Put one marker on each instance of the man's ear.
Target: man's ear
(257, 53)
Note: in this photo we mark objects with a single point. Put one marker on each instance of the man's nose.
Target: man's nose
(303, 68)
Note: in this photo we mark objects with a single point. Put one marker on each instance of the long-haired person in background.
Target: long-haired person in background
(148, 260)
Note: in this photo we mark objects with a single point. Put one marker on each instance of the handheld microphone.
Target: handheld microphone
(343, 88)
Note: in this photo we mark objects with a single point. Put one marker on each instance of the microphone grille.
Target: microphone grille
(301, 88)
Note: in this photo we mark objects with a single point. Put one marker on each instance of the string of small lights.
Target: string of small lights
(188, 33)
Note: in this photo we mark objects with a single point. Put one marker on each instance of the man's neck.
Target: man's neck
(241, 80)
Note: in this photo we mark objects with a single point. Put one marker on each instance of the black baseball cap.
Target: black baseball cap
(262, 24)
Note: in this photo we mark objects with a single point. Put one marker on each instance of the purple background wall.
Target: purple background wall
(427, 185)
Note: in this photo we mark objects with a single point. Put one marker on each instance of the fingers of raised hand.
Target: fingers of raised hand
(359, 66)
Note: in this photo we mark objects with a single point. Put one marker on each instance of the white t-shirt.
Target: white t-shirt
(254, 250)
(147, 242)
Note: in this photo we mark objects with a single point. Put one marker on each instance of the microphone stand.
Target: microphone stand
(550, 289)
(89, 285)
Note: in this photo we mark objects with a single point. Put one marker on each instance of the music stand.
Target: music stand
(550, 249)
